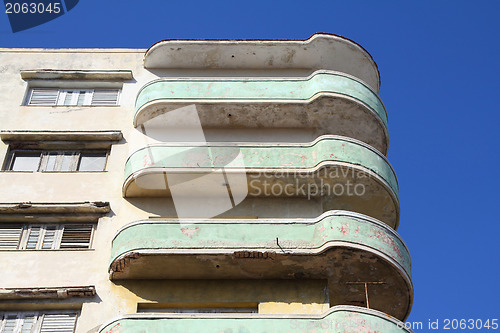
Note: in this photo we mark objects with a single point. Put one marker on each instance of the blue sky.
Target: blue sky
(440, 72)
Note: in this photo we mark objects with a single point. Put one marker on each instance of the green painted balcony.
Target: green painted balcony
(323, 103)
(343, 247)
(332, 172)
(349, 319)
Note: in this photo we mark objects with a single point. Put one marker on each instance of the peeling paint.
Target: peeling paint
(345, 319)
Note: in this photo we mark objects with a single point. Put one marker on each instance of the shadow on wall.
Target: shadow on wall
(180, 292)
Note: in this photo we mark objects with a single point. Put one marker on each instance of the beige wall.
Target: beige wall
(23, 269)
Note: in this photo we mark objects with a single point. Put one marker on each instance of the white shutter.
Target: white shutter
(49, 237)
(105, 97)
(58, 323)
(76, 236)
(74, 97)
(10, 237)
(10, 323)
(43, 96)
(33, 237)
(27, 323)
(18, 323)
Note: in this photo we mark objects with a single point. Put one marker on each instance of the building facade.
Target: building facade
(215, 185)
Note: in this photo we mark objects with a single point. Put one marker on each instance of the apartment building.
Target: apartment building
(198, 185)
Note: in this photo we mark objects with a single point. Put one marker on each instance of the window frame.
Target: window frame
(44, 154)
(62, 93)
(199, 310)
(75, 97)
(11, 158)
(38, 316)
(40, 239)
(27, 228)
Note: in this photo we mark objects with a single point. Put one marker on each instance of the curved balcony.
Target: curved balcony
(325, 103)
(343, 247)
(338, 319)
(320, 51)
(337, 172)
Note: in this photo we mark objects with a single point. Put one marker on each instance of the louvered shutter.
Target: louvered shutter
(58, 323)
(76, 236)
(10, 323)
(27, 323)
(43, 96)
(10, 237)
(105, 97)
(33, 235)
(48, 238)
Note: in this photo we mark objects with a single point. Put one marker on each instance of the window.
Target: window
(37, 322)
(57, 161)
(45, 236)
(197, 308)
(73, 97)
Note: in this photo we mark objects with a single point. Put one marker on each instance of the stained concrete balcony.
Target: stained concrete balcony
(337, 319)
(323, 103)
(333, 172)
(346, 248)
(320, 51)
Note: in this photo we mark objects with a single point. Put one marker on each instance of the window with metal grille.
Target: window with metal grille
(57, 161)
(38, 322)
(45, 236)
(73, 97)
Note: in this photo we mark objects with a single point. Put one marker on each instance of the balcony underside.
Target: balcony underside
(324, 114)
(337, 319)
(342, 247)
(339, 173)
(325, 103)
(320, 51)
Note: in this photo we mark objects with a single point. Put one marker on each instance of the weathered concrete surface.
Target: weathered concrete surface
(325, 102)
(53, 212)
(9, 136)
(303, 296)
(63, 197)
(272, 236)
(345, 173)
(320, 51)
(98, 207)
(347, 319)
(96, 75)
(342, 247)
(281, 157)
(55, 269)
(46, 293)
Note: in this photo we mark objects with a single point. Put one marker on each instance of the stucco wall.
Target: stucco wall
(90, 267)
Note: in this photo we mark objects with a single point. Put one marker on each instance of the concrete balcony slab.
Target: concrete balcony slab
(338, 319)
(323, 103)
(337, 172)
(320, 51)
(346, 248)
